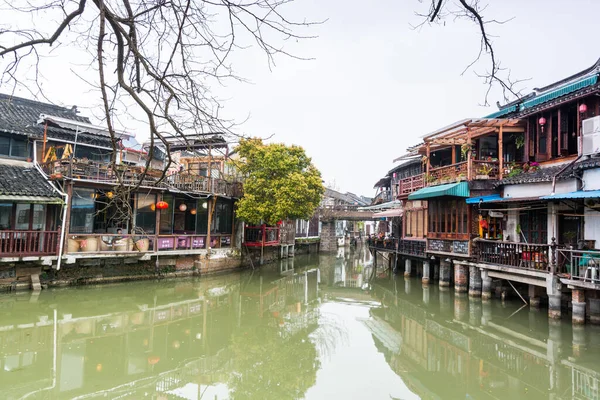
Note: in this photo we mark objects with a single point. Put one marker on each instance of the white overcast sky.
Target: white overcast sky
(376, 85)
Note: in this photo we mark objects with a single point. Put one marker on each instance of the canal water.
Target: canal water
(314, 327)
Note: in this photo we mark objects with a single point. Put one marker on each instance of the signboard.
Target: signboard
(225, 241)
(198, 242)
(166, 243)
(496, 214)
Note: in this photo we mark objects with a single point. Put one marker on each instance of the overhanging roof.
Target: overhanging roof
(394, 212)
(484, 199)
(581, 194)
(460, 189)
(31, 199)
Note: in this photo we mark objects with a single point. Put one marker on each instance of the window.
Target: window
(39, 217)
(223, 217)
(202, 217)
(145, 213)
(488, 147)
(23, 216)
(166, 216)
(184, 221)
(5, 214)
(13, 147)
(448, 218)
(534, 226)
(82, 211)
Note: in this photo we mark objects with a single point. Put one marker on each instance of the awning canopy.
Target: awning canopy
(394, 212)
(31, 199)
(581, 194)
(460, 189)
(484, 199)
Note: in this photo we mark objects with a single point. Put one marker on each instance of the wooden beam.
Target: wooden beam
(428, 154)
(469, 156)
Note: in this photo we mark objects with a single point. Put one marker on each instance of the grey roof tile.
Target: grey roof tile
(541, 175)
(18, 178)
(20, 116)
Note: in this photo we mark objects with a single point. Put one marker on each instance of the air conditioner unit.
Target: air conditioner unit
(590, 140)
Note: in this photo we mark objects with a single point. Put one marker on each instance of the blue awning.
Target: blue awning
(484, 199)
(564, 90)
(460, 189)
(502, 112)
(581, 194)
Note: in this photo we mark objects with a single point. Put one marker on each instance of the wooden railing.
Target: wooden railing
(411, 184)
(383, 244)
(130, 175)
(257, 236)
(412, 247)
(448, 174)
(512, 254)
(28, 243)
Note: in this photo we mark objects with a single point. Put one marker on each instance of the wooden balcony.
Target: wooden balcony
(261, 236)
(131, 175)
(479, 170)
(28, 243)
(412, 184)
(511, 254)
(412, 247)
(383, 197)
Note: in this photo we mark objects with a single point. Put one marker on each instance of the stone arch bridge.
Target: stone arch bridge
(329, 214)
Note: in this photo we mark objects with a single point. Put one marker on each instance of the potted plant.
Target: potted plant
(464, 150)
(520, 141)
(484, 171)
(534, 166)
(461, 177)
(429, 178)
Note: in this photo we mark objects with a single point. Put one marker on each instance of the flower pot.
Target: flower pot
(482, 177)
(142, 245)
(125, 244)
(89, 245)
(103, 246)
(73, 246)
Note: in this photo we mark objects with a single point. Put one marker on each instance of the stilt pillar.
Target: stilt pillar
(486, 285)
(475, 282)
(595, 311)
(444, 273)
(425, 279)
(461, 278)
(407, 267)
(578, 304)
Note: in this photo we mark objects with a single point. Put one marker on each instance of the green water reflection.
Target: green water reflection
(316, 327)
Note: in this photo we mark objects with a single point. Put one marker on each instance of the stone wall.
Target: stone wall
(328, 238)
(100, 269)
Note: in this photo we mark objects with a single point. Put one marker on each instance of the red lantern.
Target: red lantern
(542, 121)
(582, 108)
(162, 205)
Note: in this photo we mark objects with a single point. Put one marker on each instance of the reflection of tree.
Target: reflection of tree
(269, 367)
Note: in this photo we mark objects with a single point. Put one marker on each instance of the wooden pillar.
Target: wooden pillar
(453, 154)
(159, 197)
(470, 156)
(500, 153)
(68, 218)
(211, 209)
(428, 165)
(559, 135)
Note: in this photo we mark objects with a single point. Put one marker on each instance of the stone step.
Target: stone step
(35, 282)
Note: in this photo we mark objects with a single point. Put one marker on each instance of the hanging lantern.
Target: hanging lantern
(583, 108)
(542, 121)
(110, 195)
(152, 360)
(182, 207)
(153, 207)
(205, 205)
(162, 205)
(193, 211)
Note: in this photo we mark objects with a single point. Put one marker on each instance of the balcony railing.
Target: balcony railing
(447, 174)
(257, 236)
(485, 169)
(511, 254)
(480, 169)
(130, 175)
(412, 184)
(28, 243)
(581, 265)
(412, 247)
(107, 243)
(383, 197)
(383, 244)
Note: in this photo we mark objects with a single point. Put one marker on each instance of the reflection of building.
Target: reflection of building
(441, 358)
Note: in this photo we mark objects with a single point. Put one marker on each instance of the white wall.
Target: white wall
(591, 179)
(592, 226)
(538, 189)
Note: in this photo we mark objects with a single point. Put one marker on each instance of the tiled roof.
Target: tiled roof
(588, 164)
(19, 178)
(20, 116)
(541, 175)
